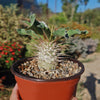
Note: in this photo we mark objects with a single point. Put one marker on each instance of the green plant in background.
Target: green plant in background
(37, 30)
(96, 35)
(89, 40)
(76, 48)
(45, 9)
(9, 22)
(89, 17)
(58, 19)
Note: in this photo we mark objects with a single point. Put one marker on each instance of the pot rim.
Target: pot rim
(14, 70)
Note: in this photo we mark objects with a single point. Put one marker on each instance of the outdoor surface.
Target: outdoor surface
(91, 78)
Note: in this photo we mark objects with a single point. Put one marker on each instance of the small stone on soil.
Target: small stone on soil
(63, 70)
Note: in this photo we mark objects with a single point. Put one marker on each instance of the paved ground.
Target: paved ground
(91, 77)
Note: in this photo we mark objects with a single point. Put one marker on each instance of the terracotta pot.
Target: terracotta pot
(39, 89)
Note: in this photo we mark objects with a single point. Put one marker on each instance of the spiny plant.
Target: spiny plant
(51, 43)
(47, 55)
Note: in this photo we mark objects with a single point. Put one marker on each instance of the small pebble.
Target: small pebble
(62, 70)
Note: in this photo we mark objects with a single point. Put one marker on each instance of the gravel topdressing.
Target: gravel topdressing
(65, 69)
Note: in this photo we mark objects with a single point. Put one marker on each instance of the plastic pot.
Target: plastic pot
(38, 89)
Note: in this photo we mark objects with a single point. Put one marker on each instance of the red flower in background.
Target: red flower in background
(13, 45)
(19, 46)
(13, 53)
(18, 49)
(0, 56)
(11, 50)
(7, 61)
(14, 42)
(2, 52)
(1, 48)
(6, 53)
(12, 58)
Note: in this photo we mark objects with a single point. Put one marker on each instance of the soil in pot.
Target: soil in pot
(63, 69)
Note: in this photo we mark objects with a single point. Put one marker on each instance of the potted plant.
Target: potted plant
(50, 75)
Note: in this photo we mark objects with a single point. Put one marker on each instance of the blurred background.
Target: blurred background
(68, 14)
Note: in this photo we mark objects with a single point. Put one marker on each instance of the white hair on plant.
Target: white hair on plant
(47, 55)
(42, 22)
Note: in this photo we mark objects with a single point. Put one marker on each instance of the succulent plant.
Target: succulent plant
(47, 55)
(40, 31)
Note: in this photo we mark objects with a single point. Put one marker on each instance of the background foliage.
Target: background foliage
(9, 23)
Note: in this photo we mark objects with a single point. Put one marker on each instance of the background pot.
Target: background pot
(38, 89)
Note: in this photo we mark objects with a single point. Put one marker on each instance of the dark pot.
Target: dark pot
(39, 89)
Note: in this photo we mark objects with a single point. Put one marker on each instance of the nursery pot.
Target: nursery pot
(38, 89)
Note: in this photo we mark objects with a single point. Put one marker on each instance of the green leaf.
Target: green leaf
(26, 32)
(73, 32)
(77, 31)
(32, 19)
(28, 23)
(21, 31)
(30, 33)
(60, 32)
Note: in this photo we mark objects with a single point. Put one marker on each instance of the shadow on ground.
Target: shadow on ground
(91, 86)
